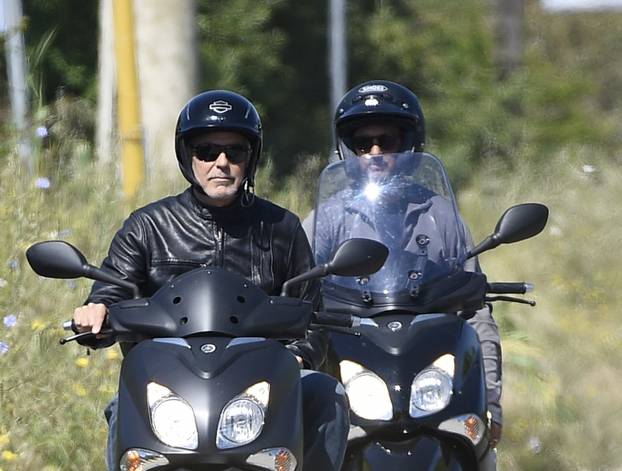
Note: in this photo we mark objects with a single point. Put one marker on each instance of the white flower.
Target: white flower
(43, 183)
(10, 320)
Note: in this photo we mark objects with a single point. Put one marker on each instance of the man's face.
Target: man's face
(374, 144)
(219, 161)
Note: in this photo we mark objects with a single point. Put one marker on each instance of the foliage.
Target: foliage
(562, 359)
(70, 58)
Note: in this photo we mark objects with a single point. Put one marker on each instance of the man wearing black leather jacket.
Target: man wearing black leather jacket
(218, 221)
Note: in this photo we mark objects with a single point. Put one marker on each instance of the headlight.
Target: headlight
(242, 419)
(367, 392)
(172, 418)
(432, 388)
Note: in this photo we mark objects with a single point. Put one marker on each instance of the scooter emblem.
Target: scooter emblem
(394, 326)
(208, 348)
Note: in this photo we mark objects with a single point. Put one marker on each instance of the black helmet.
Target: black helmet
(218, 110)
(379, 100)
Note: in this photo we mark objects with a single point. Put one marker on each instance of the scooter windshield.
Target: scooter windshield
(403, 200)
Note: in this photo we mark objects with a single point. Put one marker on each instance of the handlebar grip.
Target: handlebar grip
(509, 288)
(70, 326)
(333, 319)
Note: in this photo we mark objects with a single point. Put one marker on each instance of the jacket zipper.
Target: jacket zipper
(220, 244)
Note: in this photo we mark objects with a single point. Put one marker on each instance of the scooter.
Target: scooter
(207, 383)
(414, 371)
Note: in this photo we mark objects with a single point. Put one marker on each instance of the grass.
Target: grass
(562, 360)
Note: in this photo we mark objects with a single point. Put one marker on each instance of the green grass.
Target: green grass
(562, 359)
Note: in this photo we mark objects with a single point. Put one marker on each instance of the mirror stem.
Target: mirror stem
(98, 274)
(316, 272)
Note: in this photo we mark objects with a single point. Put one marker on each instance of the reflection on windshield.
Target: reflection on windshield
(402, 200)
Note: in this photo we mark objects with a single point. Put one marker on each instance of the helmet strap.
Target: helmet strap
(248, 194)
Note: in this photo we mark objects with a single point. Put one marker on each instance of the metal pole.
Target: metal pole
(132, 160)
(11, 16)
(338, 52)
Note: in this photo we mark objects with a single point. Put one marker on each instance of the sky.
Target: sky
(581, 4)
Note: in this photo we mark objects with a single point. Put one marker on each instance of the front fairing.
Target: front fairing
(210, 300)
(401, 345)
(404, 201)
(207, 379)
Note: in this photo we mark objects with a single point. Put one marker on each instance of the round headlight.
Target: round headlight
(241, 421)
(430, 392)
(172, 420)
(369, 397)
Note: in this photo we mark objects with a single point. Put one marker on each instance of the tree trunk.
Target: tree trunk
(106, 137)
(167, 68)
(510, 16)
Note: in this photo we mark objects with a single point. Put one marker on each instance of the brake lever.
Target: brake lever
(510, 299)
(83, 335)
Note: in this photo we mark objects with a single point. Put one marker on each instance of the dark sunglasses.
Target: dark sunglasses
(388, 142)
(236, 153)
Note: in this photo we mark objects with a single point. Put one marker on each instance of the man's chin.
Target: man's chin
(221, 196)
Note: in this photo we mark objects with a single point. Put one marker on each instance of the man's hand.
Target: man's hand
(90, 317)
(495, 434)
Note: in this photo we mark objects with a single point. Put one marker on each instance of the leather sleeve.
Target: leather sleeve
(126, 260)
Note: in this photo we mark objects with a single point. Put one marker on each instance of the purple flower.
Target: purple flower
(4, 347)
(42, 132)
(10, 320)
(43, 183)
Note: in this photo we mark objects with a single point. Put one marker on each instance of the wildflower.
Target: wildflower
(79, 390)
(112, 354)
(82, 362)
(588, 168)
(38, 324)
(4, 347)
(535, 445)
(13, 264)
(10, 320)
(43, 183)
(4, 439)
(8, 455)
(42, 132)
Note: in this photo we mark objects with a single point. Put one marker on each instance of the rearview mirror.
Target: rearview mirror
(518, 223)
(358, 257)
(58, 259)
(353, 257)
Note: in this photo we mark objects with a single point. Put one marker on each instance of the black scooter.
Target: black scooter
(414, 372)
(207, 384)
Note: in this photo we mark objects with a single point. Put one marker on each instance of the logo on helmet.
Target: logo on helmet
(372, 101)
(220, 106)
(373, 89)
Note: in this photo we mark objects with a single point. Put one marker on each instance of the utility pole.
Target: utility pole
(10, 25)
(510, 19)
(128, 102)
(338, 52)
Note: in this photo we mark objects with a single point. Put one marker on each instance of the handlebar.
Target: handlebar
(509, 288)
(334, 319)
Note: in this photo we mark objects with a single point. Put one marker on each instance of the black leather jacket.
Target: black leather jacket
(264, 243)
